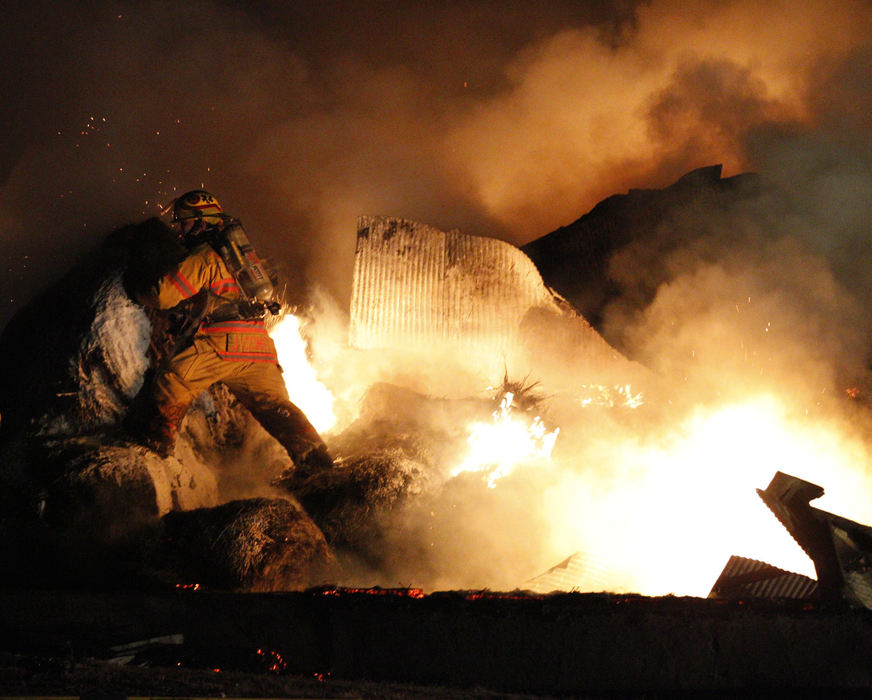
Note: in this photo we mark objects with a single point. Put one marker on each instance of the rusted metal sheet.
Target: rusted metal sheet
(416, 285)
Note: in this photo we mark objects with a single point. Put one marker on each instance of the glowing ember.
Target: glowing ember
(509, 440)
(304, 387)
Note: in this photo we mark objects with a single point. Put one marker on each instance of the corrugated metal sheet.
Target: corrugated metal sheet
(749, 578)
(578, 572)
(415, 285)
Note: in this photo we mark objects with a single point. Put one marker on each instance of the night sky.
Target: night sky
(501, 119)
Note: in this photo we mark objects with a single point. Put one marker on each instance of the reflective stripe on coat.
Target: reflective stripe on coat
(236, 341)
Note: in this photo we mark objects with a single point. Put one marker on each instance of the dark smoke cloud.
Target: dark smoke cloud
(300, 116)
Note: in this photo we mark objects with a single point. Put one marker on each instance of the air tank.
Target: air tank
(250, 271)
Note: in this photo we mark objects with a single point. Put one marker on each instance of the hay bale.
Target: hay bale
(112, 491)
(350, 502)
(398, 451)
(255, 544)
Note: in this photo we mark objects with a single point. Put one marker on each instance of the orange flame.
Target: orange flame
(681, 505)
(509, 440)
(305, 389)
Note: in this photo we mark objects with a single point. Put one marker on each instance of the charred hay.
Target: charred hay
(255, 544)
(396, 453)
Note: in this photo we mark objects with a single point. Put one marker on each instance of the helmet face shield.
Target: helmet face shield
(197, 204)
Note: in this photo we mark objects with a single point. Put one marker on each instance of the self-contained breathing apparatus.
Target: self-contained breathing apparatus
(251, 273)
(228, 239)
(253, 278)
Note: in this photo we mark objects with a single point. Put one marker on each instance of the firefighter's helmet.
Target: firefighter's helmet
(197, 204)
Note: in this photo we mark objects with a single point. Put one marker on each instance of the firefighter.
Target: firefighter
(225, 341)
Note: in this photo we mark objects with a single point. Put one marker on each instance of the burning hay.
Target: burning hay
(496, 447)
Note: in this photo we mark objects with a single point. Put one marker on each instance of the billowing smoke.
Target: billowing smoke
(505, 123)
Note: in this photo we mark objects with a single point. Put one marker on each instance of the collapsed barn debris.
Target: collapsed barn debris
(578, 572)
(840, 549)
(416, 285)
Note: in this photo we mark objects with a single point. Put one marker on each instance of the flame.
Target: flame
(682, 506)
(504, 443)
(665, 510)
(310, 395)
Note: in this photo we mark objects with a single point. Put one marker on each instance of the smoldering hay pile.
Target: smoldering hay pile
(85, 502)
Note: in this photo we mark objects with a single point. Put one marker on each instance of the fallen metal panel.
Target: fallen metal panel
(415, 285)
(577, 573)
(744, 578)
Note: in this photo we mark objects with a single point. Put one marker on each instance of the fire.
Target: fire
(504, 443)
(664, 511)
(301, 379)
(682, 506)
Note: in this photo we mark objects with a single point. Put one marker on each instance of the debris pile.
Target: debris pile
(78, 477)
(220, 512)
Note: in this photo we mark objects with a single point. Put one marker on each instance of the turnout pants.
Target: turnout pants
(258, 385)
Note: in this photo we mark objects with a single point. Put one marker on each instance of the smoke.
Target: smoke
(500, 122)
(758, 324)
(302, 116)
